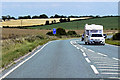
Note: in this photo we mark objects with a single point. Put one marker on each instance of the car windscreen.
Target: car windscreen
(96, 35)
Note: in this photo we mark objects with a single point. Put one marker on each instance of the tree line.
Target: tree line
(8, 17)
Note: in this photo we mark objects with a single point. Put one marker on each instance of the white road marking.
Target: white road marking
(114, 77)
(102, 54)
(23, 62)
(115, 59)
(77, 47)
(82, 50)
(87, 60)
(94, 69)
(108, 67)
(84, 47)
(91, 50)
(84, 54)
(109, 70)
(110, 73)
(111, 45)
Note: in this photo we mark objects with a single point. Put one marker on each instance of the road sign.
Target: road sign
(54, 31)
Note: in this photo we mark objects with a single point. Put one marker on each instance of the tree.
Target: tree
(47, 22)
(68, 19)
(71, 33)
(61, 20)
(35, 17)
(56, 16)
(43, 16)
(8, 17)
(116, 36)
(4, 18)
(60, 31)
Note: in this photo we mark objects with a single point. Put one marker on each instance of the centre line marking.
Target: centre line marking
(82, 50)
(94, 69)
(23, 62)
(84, 54)
(87, 60)
(77, 47)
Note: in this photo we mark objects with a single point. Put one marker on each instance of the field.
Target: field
(31, 22)
(107, 22)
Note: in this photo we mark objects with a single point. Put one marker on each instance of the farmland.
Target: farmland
(107, 22)
(32, 22)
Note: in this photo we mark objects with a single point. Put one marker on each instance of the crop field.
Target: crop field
(109, 23)
(32, 22)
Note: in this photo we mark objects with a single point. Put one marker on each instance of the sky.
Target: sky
(61, 8)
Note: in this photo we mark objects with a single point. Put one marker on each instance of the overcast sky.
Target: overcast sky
(62, 8)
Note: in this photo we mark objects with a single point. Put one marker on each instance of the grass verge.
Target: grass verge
(14, 51)
(113, 42)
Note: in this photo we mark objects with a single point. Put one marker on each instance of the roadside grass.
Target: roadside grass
(109, 23)
(113, 42)
(12, 52)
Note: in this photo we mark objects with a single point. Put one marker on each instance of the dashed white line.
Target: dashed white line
(94, 69)
(82, 50)
(84, 54)
(77, 47)
(23, 62)
(87, 60)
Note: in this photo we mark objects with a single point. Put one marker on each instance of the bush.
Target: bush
(60, 31)
(116, 36)
(71, 33)
(49, 33)
(47, 23)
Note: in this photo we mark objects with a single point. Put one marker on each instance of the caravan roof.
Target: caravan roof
(93, 27)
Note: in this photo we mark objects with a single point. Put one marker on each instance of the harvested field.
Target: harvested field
(31, 22)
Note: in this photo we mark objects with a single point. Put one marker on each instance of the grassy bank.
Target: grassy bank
(107, 22)
(113, 42)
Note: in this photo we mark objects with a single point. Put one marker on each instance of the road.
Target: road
(68, 59)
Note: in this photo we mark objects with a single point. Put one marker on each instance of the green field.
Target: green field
(108, 23)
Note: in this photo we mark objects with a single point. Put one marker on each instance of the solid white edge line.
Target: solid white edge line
(94, 69)
(84, 54)
(87, 60)
(23, 62)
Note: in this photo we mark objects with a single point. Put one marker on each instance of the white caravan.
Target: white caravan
(93, 34)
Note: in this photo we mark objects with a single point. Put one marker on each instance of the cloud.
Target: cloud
(60, 0)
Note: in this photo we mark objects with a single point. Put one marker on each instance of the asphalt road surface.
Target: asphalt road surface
(68, 59)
